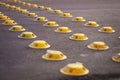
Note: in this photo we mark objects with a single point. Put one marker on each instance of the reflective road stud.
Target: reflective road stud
(92, 24)
(9, 22)
(66, 15)
(79, 37)
(3, 17)
(41, 19)
(63, 30)
(57, 12)
(106, 30)
(51, 24)
(98, 45)
(79, 19)
(41, 7)
(27, 35)
(17, 28)
(54, 55)
(32, 15)
(74, 69)
(39, 44)
(116, 57)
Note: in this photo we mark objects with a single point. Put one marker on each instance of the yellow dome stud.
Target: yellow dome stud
(32, 15)
(78, 37)
(48, 9)
(41, 19)
(7, 5)
(98, 45)
(63, 30)
(19, 2)
(41, 7)
(66, 15)
(17, 8)
(27, 35)
(54, 55)
(17, 28)
(34, 5)
(92, 24)
(74, 69)
(51, 24)
(57, 12)
(39, 44)
(4, 17)
(24, 11)
(79, 19)
(107, 30)
(9, 22)
(28, 4)
(12, 7)
(23, 3)
(1, 14)
(116, 58)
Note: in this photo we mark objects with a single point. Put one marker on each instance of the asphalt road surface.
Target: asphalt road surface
(19, 62)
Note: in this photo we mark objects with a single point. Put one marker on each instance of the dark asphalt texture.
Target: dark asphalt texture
(19, 62)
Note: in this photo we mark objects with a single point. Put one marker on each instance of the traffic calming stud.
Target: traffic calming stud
(17, 28)
(39, 44)
(106, 30)
(98, 45)
(34, 5)
(92, 24)
(54, 55)
(66, 15)
(9, 22)
(57, 12)
(27, 35)
(28, 4)
(41, 7)
(63, 30)
(51, 24)
(79, 37)
(24, 11)
(3, 17)
(74, 69)
(41, 19)
(79, 19)
(48, 9)
(116, 57)
(17, 9)
(32, 15)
